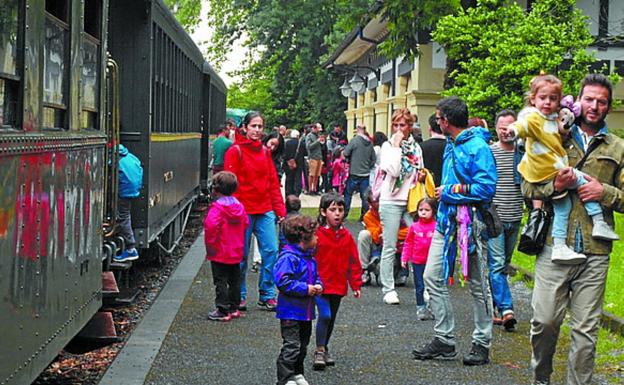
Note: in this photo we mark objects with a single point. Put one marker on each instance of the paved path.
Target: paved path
(372, 341)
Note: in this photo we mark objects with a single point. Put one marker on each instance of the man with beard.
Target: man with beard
(509, 206)
(579, 288)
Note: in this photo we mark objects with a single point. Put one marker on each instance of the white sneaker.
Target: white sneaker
(563, 255)
(391, 298)
(300, 380)
(603, 231)
(291, 382)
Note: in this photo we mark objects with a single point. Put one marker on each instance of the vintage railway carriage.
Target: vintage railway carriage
(52, 172)
(213, 115)
(161, 79)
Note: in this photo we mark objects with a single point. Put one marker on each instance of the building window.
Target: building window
(91, 64)
(9, 75)
(55, 64)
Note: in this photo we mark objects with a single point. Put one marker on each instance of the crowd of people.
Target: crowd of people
(558, 157)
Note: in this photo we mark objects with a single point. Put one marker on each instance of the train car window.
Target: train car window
(9, 75)
(55, 65)
(90, 64)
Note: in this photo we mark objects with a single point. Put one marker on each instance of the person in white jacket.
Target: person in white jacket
(401, 161)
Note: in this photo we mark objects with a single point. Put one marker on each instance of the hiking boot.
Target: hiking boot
(218, 315)
(391, 298)
(329, 360)
(318, 360)
(479, 355)
(603, 231)
(435, 349)
(269, 304)
(563, 255)
(509, 322)
(425, 314)
(127, 255)
(300, 379)
(243, 305)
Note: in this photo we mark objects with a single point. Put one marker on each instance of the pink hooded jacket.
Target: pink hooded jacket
(224, 231)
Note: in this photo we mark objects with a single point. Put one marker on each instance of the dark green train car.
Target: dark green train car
(213, 108)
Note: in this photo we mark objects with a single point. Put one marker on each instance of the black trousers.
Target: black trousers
(295, 339)
(226, 278)
(293, 181)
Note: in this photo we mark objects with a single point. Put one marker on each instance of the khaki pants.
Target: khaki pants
(557, 287)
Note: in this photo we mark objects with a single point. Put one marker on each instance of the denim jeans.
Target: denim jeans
(124, 222)
(562, 207)
(440, 300)
(263, 226)
(356, 183)
(390, 216)
(500, 250)
(419, 284)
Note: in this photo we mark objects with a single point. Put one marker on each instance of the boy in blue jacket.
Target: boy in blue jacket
(130, 184)
(296, 276)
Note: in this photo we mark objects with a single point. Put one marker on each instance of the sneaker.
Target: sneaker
(235, 314)
(537, 382)
(435, 349)
(300, 380)
(509, 322)
(329, 360)
(425, 314)
(291, 382)
(243, 305)
(269, 304)
(479, 355)
(391, 298)
(603, 231)
(318, 360)
(217, 315)
(563, 255)
(127, 255)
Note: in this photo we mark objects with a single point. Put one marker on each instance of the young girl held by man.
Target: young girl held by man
(416, 250)
(540, 123)
(296, 277)
(339, 266)
(224, 237)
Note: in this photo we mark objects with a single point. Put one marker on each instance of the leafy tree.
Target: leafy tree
(495, 48)
(186, 11)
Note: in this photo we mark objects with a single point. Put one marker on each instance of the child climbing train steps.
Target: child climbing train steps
(416, 250)
(540, 124)
(296, 277)
(339, 266)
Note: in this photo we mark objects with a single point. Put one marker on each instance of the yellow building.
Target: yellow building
(376, 86)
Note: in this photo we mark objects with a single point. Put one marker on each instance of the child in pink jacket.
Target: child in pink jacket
(224, 236)
(416, 250)
(340, 171)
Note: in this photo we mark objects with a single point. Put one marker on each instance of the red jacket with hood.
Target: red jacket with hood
(224, 231)
(258, 187)
(337, 260)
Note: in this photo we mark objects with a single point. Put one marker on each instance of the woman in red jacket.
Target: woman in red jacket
(259, 192)
(338, 264)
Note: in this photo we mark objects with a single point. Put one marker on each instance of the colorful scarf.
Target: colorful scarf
(411, 161)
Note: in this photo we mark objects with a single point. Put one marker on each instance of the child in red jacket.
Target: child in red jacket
(224, 236)
(338, 265)
(416, 251)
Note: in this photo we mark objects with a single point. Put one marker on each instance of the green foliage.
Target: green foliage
(409, 19)
(287, 41)
(496, 47)
(186, 11)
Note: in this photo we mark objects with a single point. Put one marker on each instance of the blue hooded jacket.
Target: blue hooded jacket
(130, 174)
(294, 270)
(469, 155)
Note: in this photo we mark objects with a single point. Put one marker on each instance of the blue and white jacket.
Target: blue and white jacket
(294, 270)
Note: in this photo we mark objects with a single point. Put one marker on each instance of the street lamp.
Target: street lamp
(357, 83)
(345, 89)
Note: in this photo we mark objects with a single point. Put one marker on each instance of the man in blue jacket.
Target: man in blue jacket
(130, 183)
(468, 179)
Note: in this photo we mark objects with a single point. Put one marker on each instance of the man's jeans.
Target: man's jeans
(263, 226)
(356, 183)
(500, 250)
(441, 302)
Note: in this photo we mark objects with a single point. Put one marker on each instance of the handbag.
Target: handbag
(419, 191)
(534, 232)
(292, 163)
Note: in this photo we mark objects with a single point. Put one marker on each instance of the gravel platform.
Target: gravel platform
(372, 343)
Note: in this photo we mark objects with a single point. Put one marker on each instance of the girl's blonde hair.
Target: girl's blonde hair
(537, 82)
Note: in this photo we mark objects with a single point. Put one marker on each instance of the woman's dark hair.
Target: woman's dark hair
(250, 115)
(432, 203)
(299, 228)
(293, 203)
(224, 182)
(379, 138)
(326, 201)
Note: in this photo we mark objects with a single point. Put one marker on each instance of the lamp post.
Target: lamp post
(345, 89)
(357, 83)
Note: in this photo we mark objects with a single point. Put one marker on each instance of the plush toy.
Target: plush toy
(570, 110)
